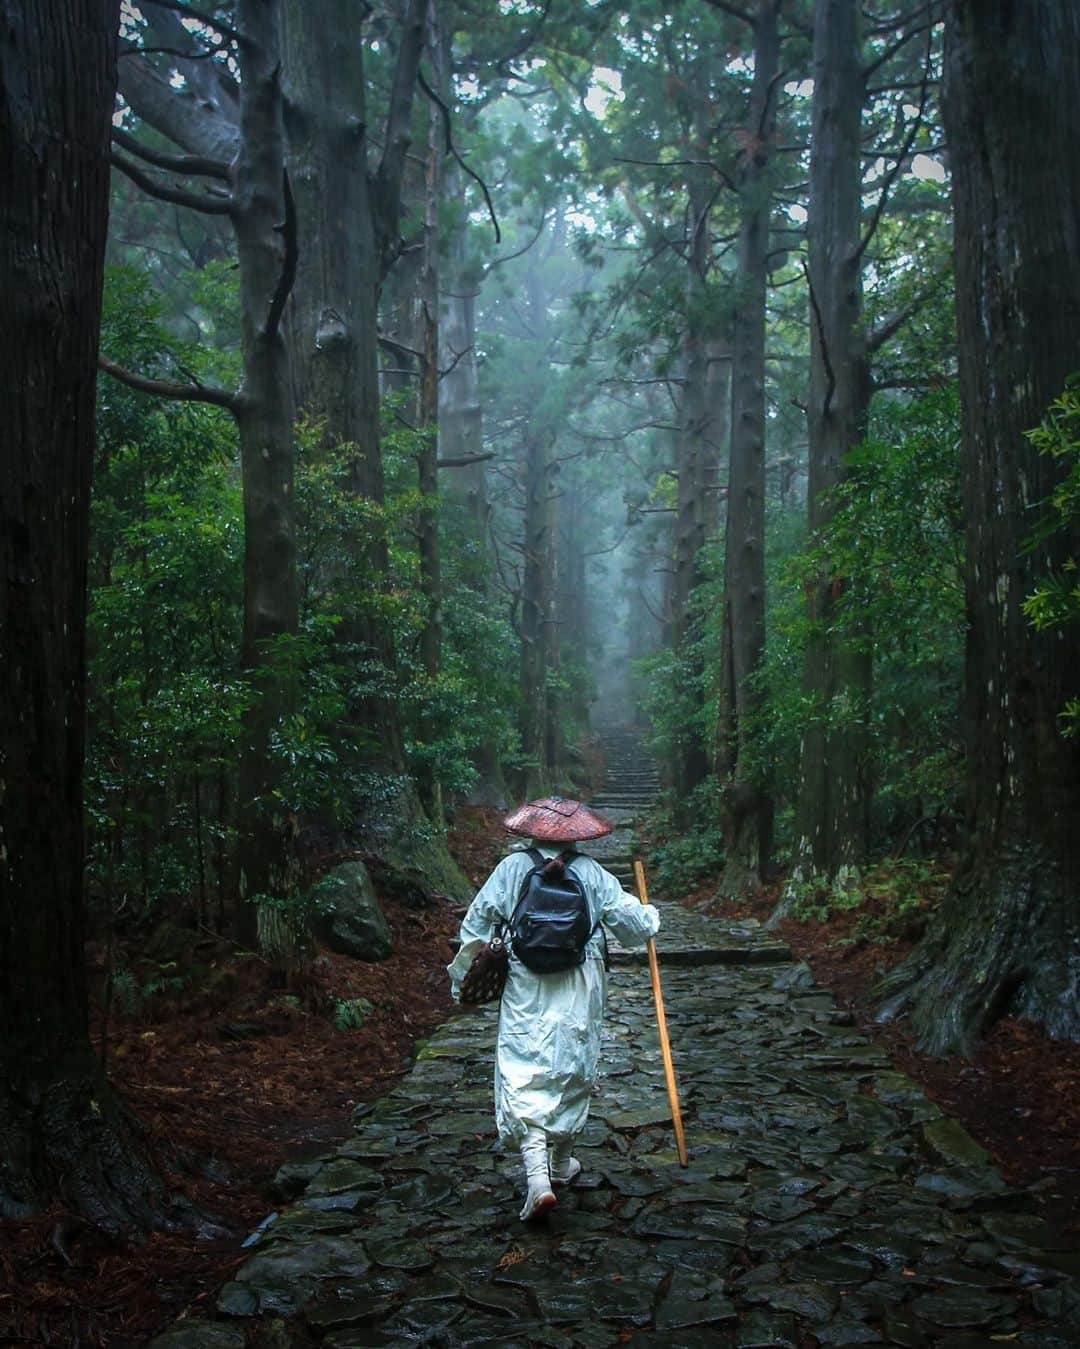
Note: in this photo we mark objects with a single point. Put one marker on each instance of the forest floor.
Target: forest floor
(233, 1077)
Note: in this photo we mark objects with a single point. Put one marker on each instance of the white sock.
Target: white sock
(563, 1167)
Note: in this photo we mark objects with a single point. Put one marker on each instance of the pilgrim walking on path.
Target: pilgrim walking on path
(548, 1041)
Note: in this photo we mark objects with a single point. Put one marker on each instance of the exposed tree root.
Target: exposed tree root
(1006, 940)
(70, 1141)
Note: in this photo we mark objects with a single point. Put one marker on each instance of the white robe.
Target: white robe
(549, 1024)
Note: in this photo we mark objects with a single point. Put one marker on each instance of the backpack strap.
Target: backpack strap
(568, 856)
(536, 857)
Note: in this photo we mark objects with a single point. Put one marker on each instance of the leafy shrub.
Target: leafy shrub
(1055, 602)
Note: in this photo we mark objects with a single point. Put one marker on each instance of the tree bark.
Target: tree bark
(347, 218)
(747, 808)
(63, 1136)
(265, 413)
(832, 812)
(536, 601)
(461, 438)
(696, 452)
(1007, 938)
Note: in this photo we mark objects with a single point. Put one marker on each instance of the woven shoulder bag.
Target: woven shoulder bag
(486, 976)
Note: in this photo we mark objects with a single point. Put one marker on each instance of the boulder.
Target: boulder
(351, 920)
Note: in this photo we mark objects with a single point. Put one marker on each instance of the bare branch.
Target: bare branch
(204, 55)
(451, 149)
(183, 164)
(388, 178)
(288, 231)
(679, 163)
(216, 205)
(465, 460)
(164, 388)
(726, 7)
(894, 170)
(830, 376)
(207, 20)
(894, 47)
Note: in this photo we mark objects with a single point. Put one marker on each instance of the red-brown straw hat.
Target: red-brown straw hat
(557, 819)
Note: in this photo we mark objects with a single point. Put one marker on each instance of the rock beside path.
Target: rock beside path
(351, 920)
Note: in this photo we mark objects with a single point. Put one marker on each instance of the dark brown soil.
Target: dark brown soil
(223, 1113)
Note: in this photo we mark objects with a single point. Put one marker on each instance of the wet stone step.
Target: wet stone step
(827, 1201)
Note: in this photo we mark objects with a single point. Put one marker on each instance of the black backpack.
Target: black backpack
(550, 926)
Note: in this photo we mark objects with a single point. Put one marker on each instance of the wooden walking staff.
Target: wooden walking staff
(661, 1021)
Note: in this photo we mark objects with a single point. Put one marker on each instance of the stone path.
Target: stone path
(827, 1199)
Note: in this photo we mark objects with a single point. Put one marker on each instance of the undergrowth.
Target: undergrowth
(889, 901)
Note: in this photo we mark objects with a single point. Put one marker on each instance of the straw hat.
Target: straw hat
(557, 819)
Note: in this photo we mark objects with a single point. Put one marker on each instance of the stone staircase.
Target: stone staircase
(631, 785)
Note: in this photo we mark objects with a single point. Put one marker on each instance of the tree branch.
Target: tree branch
(200, 125)
(896, 46)
(207, 20)
(288, 264)
(678, 163)
(388, 178)
(726, 7)
(164, 388)
(908, 143)
(889, 327)
(465, 460)
(183, 164)
(830, 387)
(451, 149)
(221, 205)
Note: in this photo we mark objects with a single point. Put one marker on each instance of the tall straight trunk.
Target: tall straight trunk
(572, 605)
(461, 441)
(747, 806)
(536, 607)
(347, 222)
(348, 219)
(644, 603)
(695, 444)
(1007, 938)
(831, 823)
(63, 1137)
(428, 518)
(265, 416)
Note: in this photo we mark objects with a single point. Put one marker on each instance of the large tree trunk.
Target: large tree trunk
(63, 1136)
(348, 217)
(428, 521)
(1008, 937)
(333, 314)
(461, 440)
(536, 607)
(696, 452)
(747, 806)
(265, 239)
(831, 822)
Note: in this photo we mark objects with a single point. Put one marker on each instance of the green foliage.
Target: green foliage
(351, 1013)
(1055, 602)
(889, 899)
(166, 568)
(692, 851)
(133, 994)
(893, 551)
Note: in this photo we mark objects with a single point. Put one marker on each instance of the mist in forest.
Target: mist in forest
(418, 406)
